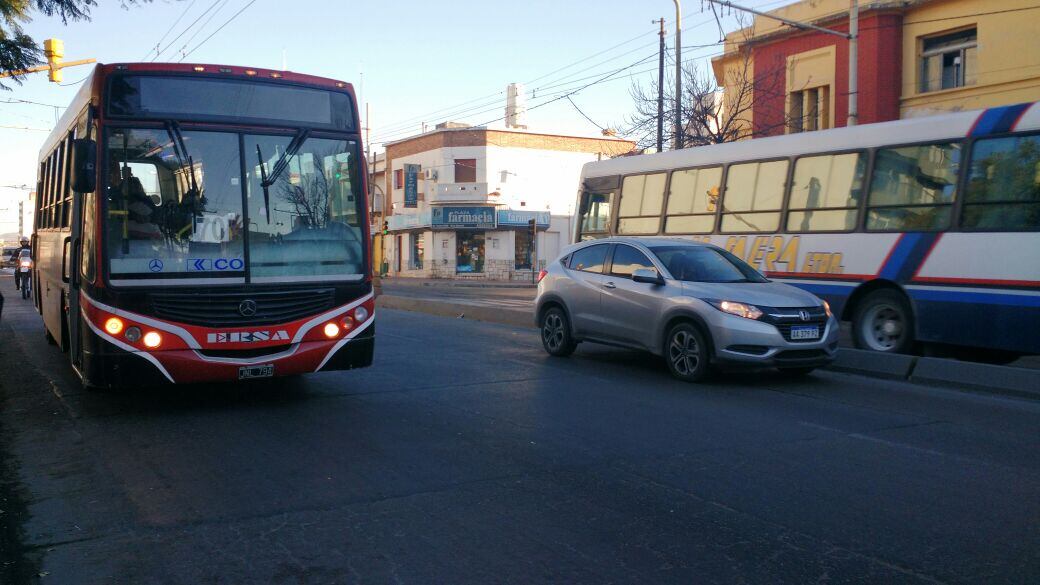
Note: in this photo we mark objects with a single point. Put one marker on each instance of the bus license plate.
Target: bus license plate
(805, 333)
(250, 372)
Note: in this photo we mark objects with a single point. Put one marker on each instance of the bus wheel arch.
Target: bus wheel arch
(883, 318)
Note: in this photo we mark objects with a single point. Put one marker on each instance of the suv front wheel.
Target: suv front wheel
(686, 353)
(556, 333)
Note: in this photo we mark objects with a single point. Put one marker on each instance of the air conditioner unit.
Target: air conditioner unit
(430, 174)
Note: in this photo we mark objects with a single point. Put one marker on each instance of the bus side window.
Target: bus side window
(825, 193)
(1003, 188)
(642, 197)
(753, 197)
(693, 197)
(913, 187)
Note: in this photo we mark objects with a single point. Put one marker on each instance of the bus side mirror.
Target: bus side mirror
(84, 165)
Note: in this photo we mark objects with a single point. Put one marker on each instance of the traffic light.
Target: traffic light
(386, 227)
(54, 50)
(532, 226)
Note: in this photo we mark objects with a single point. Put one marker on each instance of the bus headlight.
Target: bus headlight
(152, 340)
(331, 330)
(114, 325)
(360, 314)
(133, 334)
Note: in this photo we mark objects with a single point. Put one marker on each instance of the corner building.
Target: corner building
(460, 200)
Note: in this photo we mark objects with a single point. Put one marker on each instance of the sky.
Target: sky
(411, 61)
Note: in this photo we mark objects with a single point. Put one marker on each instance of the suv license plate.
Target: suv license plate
(250, 372)
(805, 333)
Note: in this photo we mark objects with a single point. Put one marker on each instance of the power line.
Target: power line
(201, 27)
(16, 100)
(220, 28)
(186, 29)
(169, 30)
(584, 115)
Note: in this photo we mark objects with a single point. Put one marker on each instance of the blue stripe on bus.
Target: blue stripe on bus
(830, 290)
(998, 120)
(898, 256)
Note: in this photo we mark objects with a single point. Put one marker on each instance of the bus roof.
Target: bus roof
(923, 129)
(88, 90)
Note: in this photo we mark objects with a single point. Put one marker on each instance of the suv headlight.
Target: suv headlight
(827, 308)
(734, 308)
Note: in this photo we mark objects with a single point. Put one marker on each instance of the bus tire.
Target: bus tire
(884, 321)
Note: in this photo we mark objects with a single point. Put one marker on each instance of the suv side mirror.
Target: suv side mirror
(647, 275)
(84, 165)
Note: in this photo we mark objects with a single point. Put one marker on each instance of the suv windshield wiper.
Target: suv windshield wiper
(267, 180)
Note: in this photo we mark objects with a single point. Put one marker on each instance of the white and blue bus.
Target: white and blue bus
(923, 231)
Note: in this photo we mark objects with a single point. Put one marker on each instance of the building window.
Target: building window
(809, 109)
(469, 252)
(418, 246)
(524, 257)
(399, 179)
(642, 197)
(949, 60)
(465, 170)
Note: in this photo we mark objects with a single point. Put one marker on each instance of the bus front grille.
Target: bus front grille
(236, 310)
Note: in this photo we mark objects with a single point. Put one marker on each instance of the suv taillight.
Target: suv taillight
(541, 275)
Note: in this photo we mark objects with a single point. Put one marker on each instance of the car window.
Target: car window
(627, 260)
(589, 259)
(705, 264)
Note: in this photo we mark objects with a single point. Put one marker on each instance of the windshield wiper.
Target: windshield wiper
(179, 148)
(279, 166)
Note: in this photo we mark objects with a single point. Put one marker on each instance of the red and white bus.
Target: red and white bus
(918, 231)
(201, 223)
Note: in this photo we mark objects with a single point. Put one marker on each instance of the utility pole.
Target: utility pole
(853, 64)
(678, 76)
(660, 90)
(852, 37)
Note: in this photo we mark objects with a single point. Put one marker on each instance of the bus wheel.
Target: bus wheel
(883, 322)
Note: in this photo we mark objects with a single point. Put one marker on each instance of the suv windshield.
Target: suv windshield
(705, 264)
(179, 206)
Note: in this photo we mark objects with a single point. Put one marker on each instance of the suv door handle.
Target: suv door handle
(609, 285)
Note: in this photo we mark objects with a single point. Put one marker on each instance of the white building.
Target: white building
(460, 199)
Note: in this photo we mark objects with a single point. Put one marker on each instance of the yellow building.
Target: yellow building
(916, 57)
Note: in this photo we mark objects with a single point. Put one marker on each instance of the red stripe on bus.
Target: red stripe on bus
(1021, 115)
(988, 281)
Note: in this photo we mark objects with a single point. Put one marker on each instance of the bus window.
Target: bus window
(642, 196)
(754, 195)
(693, 197)
(594, 214)
(826, 192)
(1003, 189)
(913, 187)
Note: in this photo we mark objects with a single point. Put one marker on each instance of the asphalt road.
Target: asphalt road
(465, 455)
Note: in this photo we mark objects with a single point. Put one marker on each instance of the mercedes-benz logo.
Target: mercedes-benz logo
(247, 308)
(155, 265)
(804, 315)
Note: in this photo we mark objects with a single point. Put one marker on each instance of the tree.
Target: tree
(711, 114)
(18, 50)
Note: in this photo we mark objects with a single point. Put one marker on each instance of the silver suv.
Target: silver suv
(694, 304)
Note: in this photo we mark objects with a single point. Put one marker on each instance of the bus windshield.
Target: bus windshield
(178, 205)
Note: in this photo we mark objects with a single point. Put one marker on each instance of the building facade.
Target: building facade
(480, 203)
(915, 57)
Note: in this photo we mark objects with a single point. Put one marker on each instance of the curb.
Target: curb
(948, 373)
